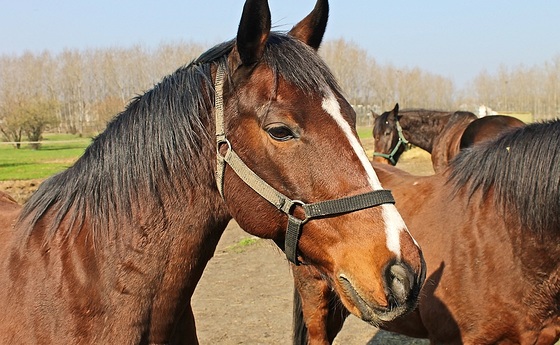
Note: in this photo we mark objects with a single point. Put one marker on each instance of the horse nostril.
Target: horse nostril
(399, 280)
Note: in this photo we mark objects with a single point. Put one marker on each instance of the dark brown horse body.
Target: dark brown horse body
(489, 227)
(111, 250)
(438, 132)
(442, 134)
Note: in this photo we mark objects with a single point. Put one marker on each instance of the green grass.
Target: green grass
(365, 132)
(53, 157)
(243, 245)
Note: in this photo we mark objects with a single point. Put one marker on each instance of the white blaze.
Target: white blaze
(394, 223)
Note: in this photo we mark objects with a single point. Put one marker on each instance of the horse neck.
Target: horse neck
(162, 265)
(191, 244)
(534, 273)
(180, 245)
(529, 269)
(420, 128)
(148, 261)
(186, 228)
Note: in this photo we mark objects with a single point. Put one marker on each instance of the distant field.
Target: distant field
(57, 152)
(365, 132)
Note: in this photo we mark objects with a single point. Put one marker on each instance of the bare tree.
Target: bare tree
(31, 116)
(89, 87)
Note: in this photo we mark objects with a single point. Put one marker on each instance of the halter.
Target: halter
(402, 141)
(279, 200)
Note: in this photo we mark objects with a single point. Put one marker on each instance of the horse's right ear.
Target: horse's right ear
(253, 32)
(374, 114)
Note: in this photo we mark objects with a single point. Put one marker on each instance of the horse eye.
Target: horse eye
(280, 133)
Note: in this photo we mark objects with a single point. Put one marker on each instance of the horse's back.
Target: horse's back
(488, 128)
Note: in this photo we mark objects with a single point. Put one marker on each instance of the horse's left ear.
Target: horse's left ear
(395, 112)
(253, 32)
(312, 28)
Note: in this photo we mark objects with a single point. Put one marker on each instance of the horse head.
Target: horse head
(285, 120)
(389, 140)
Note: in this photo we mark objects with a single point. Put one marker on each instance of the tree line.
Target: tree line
(78, 91)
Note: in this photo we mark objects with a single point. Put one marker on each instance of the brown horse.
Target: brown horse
(490, 230)
(488, 128)
(437, 132)
(442, 134)
(111, 250)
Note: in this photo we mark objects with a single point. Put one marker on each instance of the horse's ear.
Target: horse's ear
(253, 31)
(395, 112)
(374, 114)
(312, 28)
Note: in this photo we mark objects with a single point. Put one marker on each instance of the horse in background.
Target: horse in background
(110, 250)
(437, 132)
(489, 227)
(442, 134)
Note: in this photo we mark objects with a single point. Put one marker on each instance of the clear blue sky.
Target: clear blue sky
(455, 39)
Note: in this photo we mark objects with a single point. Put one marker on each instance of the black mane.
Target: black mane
(523, 169)
(432, 118)
(155, 142)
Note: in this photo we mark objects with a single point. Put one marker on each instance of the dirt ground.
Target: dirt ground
(245, 294)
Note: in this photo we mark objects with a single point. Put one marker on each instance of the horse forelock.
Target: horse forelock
(380, 122)
(522, 170)
(157, 141)
(380, 125)
(286, 56)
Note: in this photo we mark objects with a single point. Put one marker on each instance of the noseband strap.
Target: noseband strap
(279, 200)
(402, 141)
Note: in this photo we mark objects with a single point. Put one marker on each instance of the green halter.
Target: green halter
(402, 141)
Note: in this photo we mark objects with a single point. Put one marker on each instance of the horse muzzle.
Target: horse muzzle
(401, 285)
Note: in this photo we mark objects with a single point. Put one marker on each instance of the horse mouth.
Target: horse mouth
(372, 312)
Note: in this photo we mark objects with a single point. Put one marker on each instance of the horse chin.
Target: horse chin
(372, 312)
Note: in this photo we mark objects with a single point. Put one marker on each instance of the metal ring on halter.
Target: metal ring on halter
(219, 143)
(295, 203)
